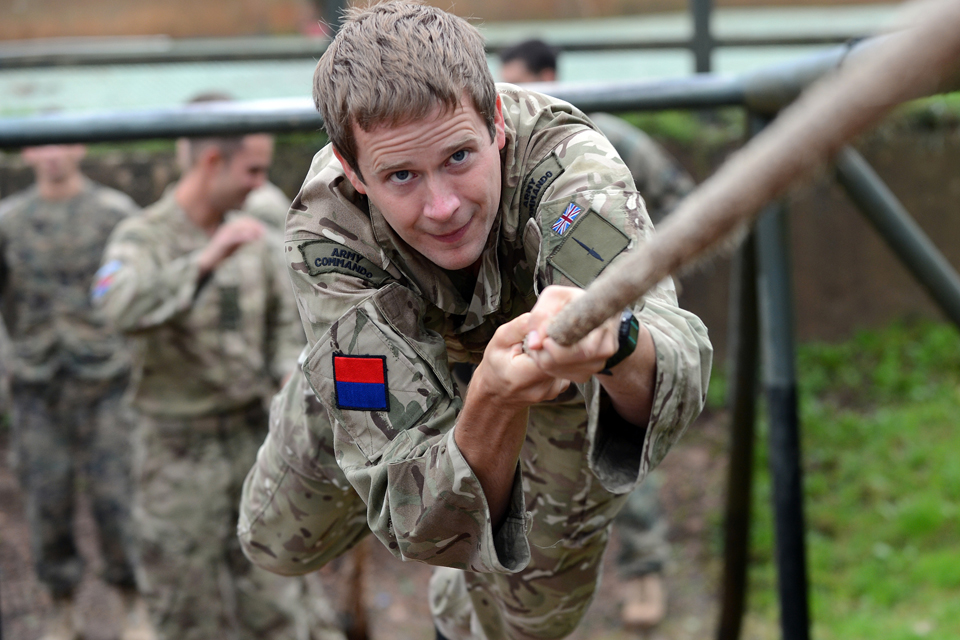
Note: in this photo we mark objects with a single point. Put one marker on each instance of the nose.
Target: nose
(442, 201)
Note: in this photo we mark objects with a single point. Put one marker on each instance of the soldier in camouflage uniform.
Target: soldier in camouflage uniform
(448, 222)
(68, 373)
(212, 317)
(641, 525)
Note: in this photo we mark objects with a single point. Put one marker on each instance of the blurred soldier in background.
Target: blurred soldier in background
(659, 178)
(661, 181)
(67, 374)
(211, 312)
(267, 203)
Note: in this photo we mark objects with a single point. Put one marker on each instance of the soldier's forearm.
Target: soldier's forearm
(630, 384)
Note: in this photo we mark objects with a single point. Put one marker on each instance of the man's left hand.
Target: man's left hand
(578, 361)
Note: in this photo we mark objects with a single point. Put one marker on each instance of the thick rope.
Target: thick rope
(899, 67)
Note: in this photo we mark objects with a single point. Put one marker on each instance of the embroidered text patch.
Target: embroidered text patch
(361, 382)
(325, 256)
(536, 183)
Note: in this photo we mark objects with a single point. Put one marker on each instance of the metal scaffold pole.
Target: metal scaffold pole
(742, 400)
(902, 234)
(775, 295)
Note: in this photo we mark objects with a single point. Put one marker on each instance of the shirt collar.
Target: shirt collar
(434, 283)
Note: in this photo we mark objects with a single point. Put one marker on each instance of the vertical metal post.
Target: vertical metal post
(742, 401)
(774, 290)
(901, 233)
(702, 42)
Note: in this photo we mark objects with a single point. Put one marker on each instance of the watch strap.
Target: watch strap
(627, 335)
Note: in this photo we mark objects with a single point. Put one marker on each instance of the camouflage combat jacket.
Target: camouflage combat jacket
(383, 325)
(49, 252)
(201, 346)
(268, 204)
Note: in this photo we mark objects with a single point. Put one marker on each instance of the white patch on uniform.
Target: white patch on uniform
(632, 202)
(599, 200)
(333, 236)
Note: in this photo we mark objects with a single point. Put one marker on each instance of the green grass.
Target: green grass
(880, 416)
(933, 113)
(688, 128)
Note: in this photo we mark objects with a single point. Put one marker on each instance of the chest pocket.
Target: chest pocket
(373, 382)
(229, 307)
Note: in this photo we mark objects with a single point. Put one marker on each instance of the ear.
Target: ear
(29, 154)
(183, 154)
(352, 175)
(210, 157)
(498, 125)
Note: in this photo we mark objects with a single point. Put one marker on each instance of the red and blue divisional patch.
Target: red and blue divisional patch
(361, 382)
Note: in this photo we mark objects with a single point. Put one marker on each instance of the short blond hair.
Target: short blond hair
(395, 62)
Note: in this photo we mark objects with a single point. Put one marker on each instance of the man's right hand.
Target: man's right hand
(510, 376)
(229, 237)
(493, 424)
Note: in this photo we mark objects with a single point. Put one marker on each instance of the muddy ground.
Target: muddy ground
(395, 593)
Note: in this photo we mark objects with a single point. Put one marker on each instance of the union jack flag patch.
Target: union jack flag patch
(566, 218)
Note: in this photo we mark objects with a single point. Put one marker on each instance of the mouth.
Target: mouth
(456, 236)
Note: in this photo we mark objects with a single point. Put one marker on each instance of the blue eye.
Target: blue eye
(401, 176)
(459, 156)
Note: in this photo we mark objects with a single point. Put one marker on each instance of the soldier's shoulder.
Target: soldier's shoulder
(147, 227)
(113, 199)
(16, 202)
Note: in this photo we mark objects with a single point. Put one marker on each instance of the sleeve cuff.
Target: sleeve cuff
(439, 515)
(619, 450)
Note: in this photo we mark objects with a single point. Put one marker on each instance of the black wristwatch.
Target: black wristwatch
(627, 336)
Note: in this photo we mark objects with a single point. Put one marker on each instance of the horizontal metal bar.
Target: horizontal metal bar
(160, 49)
(299, 114)
(203, 119)
(33, 54)
(764, 92)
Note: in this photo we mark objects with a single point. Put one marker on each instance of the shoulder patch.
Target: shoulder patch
(361, 382)
(536, 182)
(588, 248)
(326, 256)
(103, 279)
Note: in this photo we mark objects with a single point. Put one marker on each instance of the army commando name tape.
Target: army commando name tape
(325, 256)
(343, 263)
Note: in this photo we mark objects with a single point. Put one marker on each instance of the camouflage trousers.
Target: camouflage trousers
(191, 571)
(642, 529)
(65, 429)
(570, 516)
(640, 525)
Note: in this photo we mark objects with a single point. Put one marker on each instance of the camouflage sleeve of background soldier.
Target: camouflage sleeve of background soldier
(389, 402)
(588, 220)
(284, 333)
(659, 178)
(135, 288)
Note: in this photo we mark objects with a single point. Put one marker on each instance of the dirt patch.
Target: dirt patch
(395, 592)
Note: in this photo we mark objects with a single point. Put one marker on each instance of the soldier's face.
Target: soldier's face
(242, 172)
(55, 162)
(436, 181)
